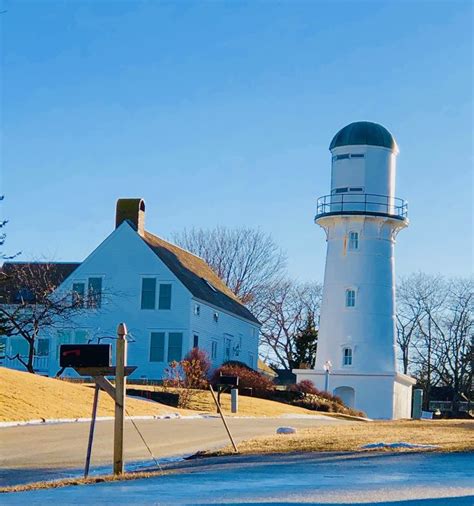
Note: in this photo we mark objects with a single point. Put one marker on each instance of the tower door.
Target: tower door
(347, 394)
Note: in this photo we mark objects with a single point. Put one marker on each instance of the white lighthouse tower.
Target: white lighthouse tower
(361, 218)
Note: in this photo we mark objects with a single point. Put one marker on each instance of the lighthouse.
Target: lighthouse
(361, 217)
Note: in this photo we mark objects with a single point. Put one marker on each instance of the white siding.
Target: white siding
(122, 261)
(228, 325)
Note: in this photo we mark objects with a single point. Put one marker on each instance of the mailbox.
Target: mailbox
(85, 355)
(232, 381)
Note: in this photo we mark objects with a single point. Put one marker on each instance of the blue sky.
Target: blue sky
(222, 113)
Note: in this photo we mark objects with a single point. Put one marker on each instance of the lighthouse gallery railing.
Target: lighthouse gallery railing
(362, 203)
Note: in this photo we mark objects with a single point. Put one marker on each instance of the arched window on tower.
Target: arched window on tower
(347, 356)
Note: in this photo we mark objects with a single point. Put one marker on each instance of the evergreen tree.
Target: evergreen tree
(306, 343)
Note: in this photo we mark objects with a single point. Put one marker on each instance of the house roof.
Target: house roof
(197, 276)
(266, 369)
(9, 272)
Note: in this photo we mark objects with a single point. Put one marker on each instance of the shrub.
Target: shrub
(248, 378)
(323, 401)
(199, 368)
(304, 387)
(189, 375)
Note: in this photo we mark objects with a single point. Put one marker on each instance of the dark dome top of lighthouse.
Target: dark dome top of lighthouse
(364, 133)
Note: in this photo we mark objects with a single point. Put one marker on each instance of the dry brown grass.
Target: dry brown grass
(25, 396)
(248, 406)
(449, 435)
(41, 485)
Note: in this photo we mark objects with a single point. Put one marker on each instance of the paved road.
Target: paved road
(407, 479)
(41, 452)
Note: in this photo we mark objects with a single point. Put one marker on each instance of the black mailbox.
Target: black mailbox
(85, 355)
(229, 380)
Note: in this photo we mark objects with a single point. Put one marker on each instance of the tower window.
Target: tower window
(347, 356)
(357, 155)
(350, 298)
(353, 240)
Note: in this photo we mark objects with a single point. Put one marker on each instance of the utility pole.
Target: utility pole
(120, 385)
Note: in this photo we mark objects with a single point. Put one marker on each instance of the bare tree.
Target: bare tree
(31, 304)
(284, 313)
(435, 331)
(247, 260)
(411, 295)
(3, 236)
(456, 335)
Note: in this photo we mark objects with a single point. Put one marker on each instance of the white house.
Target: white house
(361, 218)
(170, 299)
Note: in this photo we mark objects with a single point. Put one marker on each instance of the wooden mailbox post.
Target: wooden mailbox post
(71, 357)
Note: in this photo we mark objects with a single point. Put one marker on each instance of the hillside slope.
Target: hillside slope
(25, 396)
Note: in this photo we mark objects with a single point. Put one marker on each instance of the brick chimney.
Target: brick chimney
(133, 211)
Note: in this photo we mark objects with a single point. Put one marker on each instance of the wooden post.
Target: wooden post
(120, 386)
(91, 430)
(223, 419)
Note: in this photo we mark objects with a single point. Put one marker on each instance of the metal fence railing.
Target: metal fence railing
(362, 203)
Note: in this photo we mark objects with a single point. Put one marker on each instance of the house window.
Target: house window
(216, 316)
(94, 299)
(148, 293)
(78, 294)
(350, 298)
(175, 346)
(164, 301)
(214, 350)
(195, 341)
(197, 310)
(347, 356)
(3, 347)
(64, 337)
(157, 347)
(19, 346)
(80, 337)
(251, 360)
(227, 347)
(42, 348)
(353, 240)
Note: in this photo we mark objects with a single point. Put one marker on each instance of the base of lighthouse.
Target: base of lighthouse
(382, 396)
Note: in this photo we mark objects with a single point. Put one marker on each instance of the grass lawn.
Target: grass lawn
(25, 396)
(449, 435)
(202, 402)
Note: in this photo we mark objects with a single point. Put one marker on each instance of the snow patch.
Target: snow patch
(51, 421)
(397, 445)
